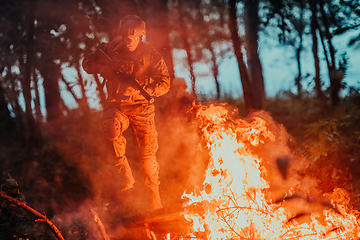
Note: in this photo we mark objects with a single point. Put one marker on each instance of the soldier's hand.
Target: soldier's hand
(127, 79)
(108, 73)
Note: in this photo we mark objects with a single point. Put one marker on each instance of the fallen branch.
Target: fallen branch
(100, 225)
(43, 218)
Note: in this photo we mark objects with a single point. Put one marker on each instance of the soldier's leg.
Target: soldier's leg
(150, 167)
(145, 136)
(122, 163)
(114, 123)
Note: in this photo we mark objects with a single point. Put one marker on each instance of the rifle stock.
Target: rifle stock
(130, 78)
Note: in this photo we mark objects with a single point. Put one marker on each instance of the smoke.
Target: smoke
(183, 159)
(182, 156)
(83, 177)
(273, 153)
(296, 191)
(94, 183)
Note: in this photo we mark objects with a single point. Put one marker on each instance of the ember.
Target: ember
(233, 203)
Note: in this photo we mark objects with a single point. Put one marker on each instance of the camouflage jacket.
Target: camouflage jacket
(145, 64)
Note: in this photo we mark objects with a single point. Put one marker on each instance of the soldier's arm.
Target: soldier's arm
(91, 63)
(94, 64)
(159, 76)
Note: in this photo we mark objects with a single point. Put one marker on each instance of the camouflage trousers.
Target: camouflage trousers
(141, 120)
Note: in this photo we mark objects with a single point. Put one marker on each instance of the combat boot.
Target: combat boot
(151, 169)
(125, 170)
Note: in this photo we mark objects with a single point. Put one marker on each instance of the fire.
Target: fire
(233, 203)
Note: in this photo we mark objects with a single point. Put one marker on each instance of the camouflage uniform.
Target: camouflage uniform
(127, 107)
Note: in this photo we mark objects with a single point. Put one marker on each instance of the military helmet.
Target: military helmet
(131, 25)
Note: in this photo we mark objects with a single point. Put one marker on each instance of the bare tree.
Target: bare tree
(299, 26)
(290, 16)
(249, 88)
(184, 32)
(336, 73)
(210, 17)
(26, 82)
(319, 93)
(251, 22)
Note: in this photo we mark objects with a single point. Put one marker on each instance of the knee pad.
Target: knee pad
(151, 169)
(114, 123)
(111, 128)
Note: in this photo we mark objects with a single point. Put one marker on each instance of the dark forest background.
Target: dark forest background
(53, 156)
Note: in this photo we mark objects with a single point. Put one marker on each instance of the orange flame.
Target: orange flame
(232, 204)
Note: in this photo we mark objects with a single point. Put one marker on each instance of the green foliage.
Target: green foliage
(336, 135)
(352, 11)
(294, 112)
(331, 137)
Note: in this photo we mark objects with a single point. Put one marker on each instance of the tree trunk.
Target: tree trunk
(300, 27)
(158, 31)
(37, 104)
(335, 80)
(251, 20)
(215, 70)
(26, 83)
(299, 77)
(209, 45)
(237, 43)
(20, 118)
(7, 123)
(100, 88)
(299, 24)
(187, 47)
(51, 77)
(83, 103)
(68, 87)
(319, 93)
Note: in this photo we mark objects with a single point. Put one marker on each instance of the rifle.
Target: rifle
(130, 78)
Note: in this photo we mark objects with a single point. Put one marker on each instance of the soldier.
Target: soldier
(126, 105)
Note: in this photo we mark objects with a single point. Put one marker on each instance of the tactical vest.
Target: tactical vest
(133, 63)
